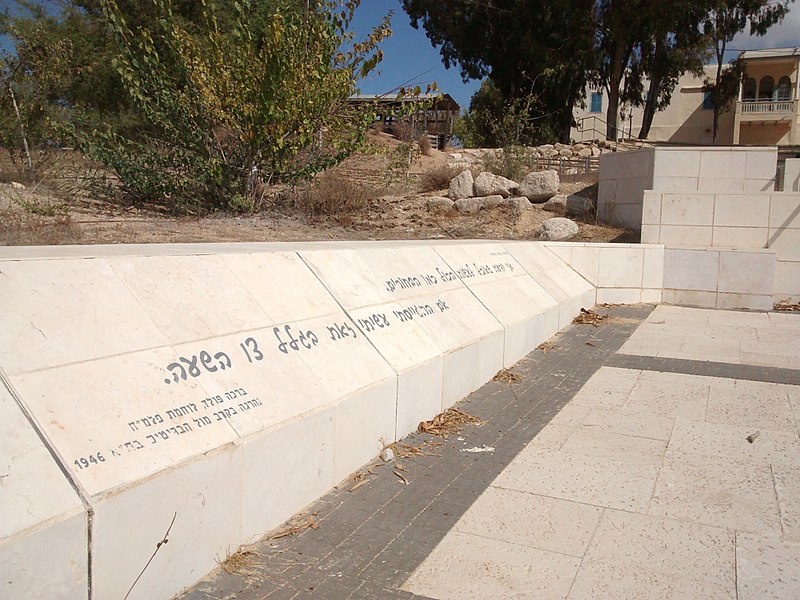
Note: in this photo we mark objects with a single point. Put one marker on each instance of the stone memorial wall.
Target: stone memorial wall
(204, 396)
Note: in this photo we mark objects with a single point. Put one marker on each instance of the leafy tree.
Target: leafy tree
(724, 21)
(197, 104)
(674, 44)
(514, 43)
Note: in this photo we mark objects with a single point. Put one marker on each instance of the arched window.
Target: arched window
(749, 90)
(784, 90)
(766, 88)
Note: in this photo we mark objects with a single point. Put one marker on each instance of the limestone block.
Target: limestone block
(563, 284)
(786, 242)
(469, 205)
(671, 162)
(761, 163)
(720, 184)
(539, 185)
(740, 237)
(38, 295)
(687, 209)
(784, 210)
(690, 270)
(690, 235)
(528, 313)
(426, 312)
(621, 267)
(489, 184)
(43, 528)
(747, 272)
(436, 204)
(558, 228)
(585, 152)
(205, 500)
(462, 186)
(651, 207)
(714, 163)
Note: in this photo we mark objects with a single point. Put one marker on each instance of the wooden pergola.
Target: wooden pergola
(436, 117)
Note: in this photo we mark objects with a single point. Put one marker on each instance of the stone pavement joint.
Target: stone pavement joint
(368, 542)
(706, 368)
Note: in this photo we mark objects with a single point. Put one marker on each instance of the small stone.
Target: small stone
(557, 229)
(565, 152)
(469, 205)
(585, 152)
(387, 455)
(596, 151)
(437, 204)
(557, 204)
(17, 186)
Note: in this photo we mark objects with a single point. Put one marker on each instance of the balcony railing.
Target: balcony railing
(759, 107)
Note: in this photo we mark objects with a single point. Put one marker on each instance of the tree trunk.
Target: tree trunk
(720, 50)
(21, 129)
(619, 59)
(650, 106)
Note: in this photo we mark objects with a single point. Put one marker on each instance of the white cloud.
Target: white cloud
(784, 35)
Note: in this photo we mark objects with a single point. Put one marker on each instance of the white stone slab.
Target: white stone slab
(566, 286)
(528, 313)
(43, 529)
(203, 497)
(63, 311)
(414, 308)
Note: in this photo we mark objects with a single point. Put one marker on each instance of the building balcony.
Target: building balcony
(767, 110)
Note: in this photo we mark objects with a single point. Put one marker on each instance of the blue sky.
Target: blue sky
(408, 55)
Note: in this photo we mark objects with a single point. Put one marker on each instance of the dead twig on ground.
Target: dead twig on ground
(295, 526)
(506, 376)
(546, 346)
(240, 559)
(589, 317)
(786, 306)
(449, 422)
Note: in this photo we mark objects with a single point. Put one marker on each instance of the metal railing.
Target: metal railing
(757, 107)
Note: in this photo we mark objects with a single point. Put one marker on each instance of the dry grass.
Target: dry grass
(447, 423)
(425, 145)
(332, 196)
(239, 561)
(438, 178)
(19, 227)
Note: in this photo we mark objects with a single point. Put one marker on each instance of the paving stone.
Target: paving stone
(627, 543)
(466, 566)
(717, 492)
(531, 520)
(767, 569)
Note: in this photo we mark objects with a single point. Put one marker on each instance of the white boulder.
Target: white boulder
(539, 186)
(556, 229)
(489, 184)
(462, 186)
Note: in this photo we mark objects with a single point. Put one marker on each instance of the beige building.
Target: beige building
(766, 113)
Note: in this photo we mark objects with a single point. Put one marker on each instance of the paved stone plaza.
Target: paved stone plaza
(656, 456)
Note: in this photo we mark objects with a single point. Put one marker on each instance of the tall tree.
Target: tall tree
(538, 47)
(724, 21)
(676, 44)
